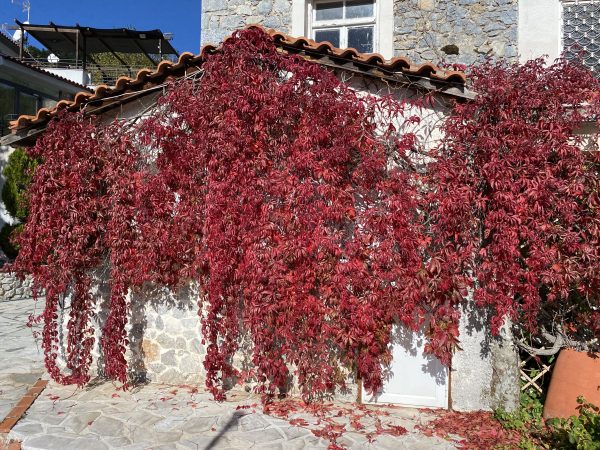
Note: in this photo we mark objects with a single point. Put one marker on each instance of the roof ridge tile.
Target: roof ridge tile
(281, 39)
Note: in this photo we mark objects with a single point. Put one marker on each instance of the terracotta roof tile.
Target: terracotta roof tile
(147, 78)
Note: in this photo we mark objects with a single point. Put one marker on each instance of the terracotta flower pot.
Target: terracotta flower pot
(575, 373)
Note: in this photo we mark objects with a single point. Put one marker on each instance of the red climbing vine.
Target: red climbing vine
(294, 204)
(264, 179)
(514, 201)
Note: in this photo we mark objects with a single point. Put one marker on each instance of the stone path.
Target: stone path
(171, 417)
(21, 358)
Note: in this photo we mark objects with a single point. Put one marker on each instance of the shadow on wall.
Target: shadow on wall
(163, 332)
(152, 306)
(476, 324)
(412, 344)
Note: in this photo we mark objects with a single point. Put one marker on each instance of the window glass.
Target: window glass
(329, 11)
(332, 36)
(28, 104)
(7, 106)
(361, 39)
(359, 8)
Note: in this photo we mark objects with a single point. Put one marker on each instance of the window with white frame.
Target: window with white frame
(345, 23)
(581, 32)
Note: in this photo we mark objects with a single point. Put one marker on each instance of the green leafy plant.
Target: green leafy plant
(578, 432)
(529, 413)
(17, 173)
(527, 420)
(8, 234)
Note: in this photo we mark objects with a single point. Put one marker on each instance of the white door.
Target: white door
(414, 378)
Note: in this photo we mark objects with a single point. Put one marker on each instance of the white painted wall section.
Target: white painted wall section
(299, 18)
(386, 28)
(540, 29)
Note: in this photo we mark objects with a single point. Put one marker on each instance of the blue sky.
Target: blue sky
(180, 17)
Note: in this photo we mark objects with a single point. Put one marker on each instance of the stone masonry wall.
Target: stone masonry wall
(457, 31)
(165, 346)
(11, 288)
(220, 18)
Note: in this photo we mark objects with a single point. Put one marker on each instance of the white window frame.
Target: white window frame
(342, 24)
(384, 18)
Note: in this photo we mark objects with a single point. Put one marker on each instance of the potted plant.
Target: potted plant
(568, 328)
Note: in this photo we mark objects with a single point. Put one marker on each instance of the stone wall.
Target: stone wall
(221, 18)
(166, 347)
(11, 288)
(457, 31)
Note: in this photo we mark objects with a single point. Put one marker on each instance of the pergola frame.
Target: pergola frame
(87, 41)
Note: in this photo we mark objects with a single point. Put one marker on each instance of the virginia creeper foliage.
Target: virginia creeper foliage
(269, 183)
(265, 180)
(514, 201)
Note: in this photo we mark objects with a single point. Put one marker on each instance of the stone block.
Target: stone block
(168, 358)
(165, 341)
(244, 10)
(232, 22)
(107, 426)
(212, 5)
(282, 7)
(198, 425)
(273, 22)
(426, 5)
(55, 442)
(264, 7)
(253, 422)
(82, 420)
(180, 343)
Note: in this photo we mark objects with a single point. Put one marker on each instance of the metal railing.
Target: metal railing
(110, 75)
(59, 64)
(98, 74)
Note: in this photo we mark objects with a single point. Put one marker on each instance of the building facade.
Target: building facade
(24, 89)
(454, 31)
(164, 331)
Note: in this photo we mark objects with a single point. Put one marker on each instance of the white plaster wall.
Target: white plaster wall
(75, 75)
(540, 29)
(485, 371)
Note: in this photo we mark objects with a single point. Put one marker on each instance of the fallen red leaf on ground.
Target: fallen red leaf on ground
(478, 430)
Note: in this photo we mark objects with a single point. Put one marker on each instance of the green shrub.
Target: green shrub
(578, 432)
(17, 173)
(527, 420)
(7, 235)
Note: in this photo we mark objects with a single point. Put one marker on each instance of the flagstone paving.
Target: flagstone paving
(21, 358)
(171, 417)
